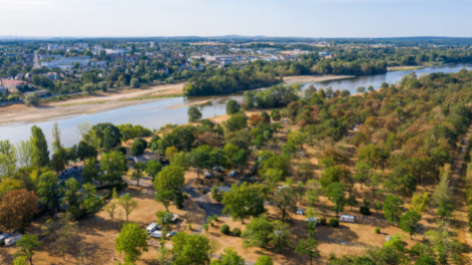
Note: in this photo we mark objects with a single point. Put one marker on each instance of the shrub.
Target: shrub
(323, 220)
(32, 99)
(2, 243)
(378, 206)
(334, 222)
(135, 83)
(364, 210)
(189, 226)
(236, 231)
(377, 230)
(225, 229)
(215, 218)
(332, 256)
(215, 194)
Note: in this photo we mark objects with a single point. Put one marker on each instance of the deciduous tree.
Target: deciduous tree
(132, 241)
(17, 210)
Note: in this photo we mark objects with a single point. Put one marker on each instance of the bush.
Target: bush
(236, 231)
(135, 83)
(190, 226)
(323, 220)
(334, 222)
(215, 218)
(2, 243)
(364, 210)
(32, 99)
(225, 229)
(332, 256)
(215, 194)
(377, 230)
(378, 206)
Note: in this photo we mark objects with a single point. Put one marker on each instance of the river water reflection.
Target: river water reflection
(156, 114)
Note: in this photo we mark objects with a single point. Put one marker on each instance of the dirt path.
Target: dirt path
(460, 220)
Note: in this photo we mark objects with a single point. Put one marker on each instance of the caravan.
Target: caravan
(12, 240)
(152, 227)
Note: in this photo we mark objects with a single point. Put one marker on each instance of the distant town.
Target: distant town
(54, 68)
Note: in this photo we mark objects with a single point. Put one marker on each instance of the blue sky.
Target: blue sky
(303, 18)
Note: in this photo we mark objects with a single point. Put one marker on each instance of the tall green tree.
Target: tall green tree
(27, 244)
(392, 208)
(232, 107)
(138, 171)
(409, 223)
(8, 158)
(190, 249)
(41, 153)
(168, 184)
(56, 136)
(244, 201)
(90, 170)
(153, 167)
(48, 190)
(199, 158)
(336, 195)
(113, 166)
(194, 114)
(128, 204)
(308, 247)
(285, 199)
(229, 257)
(258, 232)
(132, 241)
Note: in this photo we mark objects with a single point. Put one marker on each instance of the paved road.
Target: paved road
(36, 60)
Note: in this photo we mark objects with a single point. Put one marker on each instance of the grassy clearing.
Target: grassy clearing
(152, 97)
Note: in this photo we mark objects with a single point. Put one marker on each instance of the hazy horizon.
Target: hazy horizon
(210, 18)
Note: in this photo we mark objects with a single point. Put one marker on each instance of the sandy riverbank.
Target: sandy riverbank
(403, 68)
(313, 78)
(92, 104)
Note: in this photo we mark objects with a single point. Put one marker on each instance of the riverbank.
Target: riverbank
(91, 104)
(313, 78)
(404, 68)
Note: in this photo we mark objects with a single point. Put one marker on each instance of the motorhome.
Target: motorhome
(12, 240)
(152, 227)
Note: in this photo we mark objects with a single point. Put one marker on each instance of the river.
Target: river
(156, 114)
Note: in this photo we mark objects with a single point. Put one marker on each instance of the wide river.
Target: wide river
(156, 114)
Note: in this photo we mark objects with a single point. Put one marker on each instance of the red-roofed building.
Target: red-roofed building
(12, 84)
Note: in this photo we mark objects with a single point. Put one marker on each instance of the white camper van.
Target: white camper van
(156, 234)
(12, 240)
(152, 227)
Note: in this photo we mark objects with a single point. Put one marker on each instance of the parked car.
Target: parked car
(156, 234)
(208, 175)
(12, 240)
(171, 234)
(152, 227)
(234, 173)
(219, 169)
(4, 236)
(299, 212)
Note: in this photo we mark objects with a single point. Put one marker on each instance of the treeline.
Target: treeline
(230, 81)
